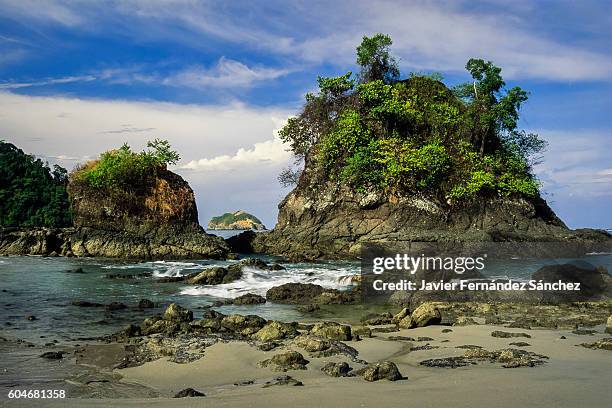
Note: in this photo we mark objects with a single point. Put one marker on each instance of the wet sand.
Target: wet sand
(573, 376)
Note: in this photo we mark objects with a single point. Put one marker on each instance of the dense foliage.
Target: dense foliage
(124, 170)
(31, 193)
(415, 135)
(229, 218)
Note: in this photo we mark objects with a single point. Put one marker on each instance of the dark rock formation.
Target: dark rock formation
(157, 222)
(332, 221)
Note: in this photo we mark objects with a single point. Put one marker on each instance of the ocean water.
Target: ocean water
(45, 287)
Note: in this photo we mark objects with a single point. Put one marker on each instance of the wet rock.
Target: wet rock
(380, 371)
(464, 321)
(244, 325)
(53, 355)
(400, 315)
(145, 304)
(469, 347)
(385, 329)
(377, 319)
(115, 306)
(401, 338)
(249, 299)
(425, 347)
(85, 303)
(215, 276)
(275, 331)
(128, 276)
(188, 392)
(332, 331)
(361, 331)
(609, 325)
(447, 330)
(510, 358)
(75, 270)
(426, 314)
(176, 313)
(448, 362)
(268, 346)
(506, 335)
(283, 380)
(31, 318)
(592, 283)
(603, 344)
(520, 344)
(337, 369)
(312, 343)
(255, 263)
(294, 293)
(291, 360)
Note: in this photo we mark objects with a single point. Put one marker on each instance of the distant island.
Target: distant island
(238, 220)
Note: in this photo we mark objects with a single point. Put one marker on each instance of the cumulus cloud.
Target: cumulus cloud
(230, 154)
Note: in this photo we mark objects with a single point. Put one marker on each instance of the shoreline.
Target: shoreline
(228, 369)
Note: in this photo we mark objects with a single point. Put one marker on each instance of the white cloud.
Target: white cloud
(226, 73)
(50, 81)
(211, 140)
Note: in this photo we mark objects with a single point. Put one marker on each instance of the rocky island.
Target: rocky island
(123, 205)
(238, 220)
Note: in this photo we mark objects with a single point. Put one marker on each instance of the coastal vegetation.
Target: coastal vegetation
(375, 131)
(123, 170)
(238, 220)
(32, 194)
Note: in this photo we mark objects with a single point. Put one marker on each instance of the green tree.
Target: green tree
(376, 61)
(31, 194)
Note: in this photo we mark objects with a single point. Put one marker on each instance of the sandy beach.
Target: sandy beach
(229, 375)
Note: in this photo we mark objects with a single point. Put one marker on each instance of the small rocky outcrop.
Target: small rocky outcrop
(154, 221)
(385, 370)
(337, 369)
(591, 279)
(609, 325)
(291, 360)
(603, 344)
(215, 276)
(176, 313)
(310, 294)
(238, 220)
(275, 331)
(507, 335)
(425, 315)
(249, 299)
(189, 392)
(332, 331)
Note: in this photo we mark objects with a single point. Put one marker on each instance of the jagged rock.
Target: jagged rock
(503, 334)
(291, 360)
(215, 276)
(176, 313)
(592, 283)
(312, 343)
(249, 299)
(188, 392)
(332, 331)
(447, 362)
(400, 315)
(362, 331)
(425, 315)
(244, 325)
(275, 331)
(294, 293)
(377, 319)
(337, 369)
(380, 371)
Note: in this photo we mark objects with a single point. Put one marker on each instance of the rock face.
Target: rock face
(332, 221)
(159, 222)
(238, 220)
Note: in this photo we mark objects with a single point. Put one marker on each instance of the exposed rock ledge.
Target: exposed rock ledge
(334, 222)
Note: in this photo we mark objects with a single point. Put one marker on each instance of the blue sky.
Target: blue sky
(218, 78)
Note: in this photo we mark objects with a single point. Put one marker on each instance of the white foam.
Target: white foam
(258, 281)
